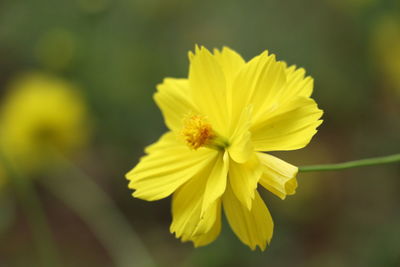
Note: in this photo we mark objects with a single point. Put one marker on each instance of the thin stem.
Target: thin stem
(83, 196)
(34, 211)
(351, 164)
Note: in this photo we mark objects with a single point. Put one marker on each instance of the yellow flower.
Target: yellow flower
(385, 46)
(41, 113)
(220, 119)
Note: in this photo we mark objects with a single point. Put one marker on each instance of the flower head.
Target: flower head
(385, 48)
(220, 119)
(41, 113)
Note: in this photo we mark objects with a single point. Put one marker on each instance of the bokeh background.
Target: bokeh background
(113, 53)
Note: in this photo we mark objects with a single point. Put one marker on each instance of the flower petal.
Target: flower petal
(244, 179)
(296, 84)
(231, 63)
(169, 165)
(258, 83)
(290, 127)
(216, 182)
(253, 227)
(278, 176)
(208, 88)
(208, 237)
(174, 99)
(188, 222)
(241, 147)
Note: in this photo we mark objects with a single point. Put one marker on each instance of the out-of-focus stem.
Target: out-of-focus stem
(351, 164)
(83, 196)
(34, 211)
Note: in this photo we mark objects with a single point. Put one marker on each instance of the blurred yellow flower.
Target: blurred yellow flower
(385, 42)
(39, 113)
(220, 119)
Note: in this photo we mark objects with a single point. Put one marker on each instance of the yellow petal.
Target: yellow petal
(289, 127)
(296, 84)
(216, 181)
(231, 63)
(174, 99)
(169, 164)
(187, 220)
(253, 227)
(278, 176)
(208, 88)
(244, 178)
(258, 83)
(241, 147)
(208, 237)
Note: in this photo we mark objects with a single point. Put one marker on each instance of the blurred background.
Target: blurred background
(104, 59)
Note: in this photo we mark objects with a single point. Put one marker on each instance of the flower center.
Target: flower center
(197, 131)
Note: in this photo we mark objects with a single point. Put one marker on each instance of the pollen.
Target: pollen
(197, 131)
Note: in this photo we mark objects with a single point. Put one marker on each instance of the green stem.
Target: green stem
(83, 196)
(351, 164)
(34, 211)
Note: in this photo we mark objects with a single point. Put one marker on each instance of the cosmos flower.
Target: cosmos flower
(385, 48)
(221, 119)
(41, 113)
